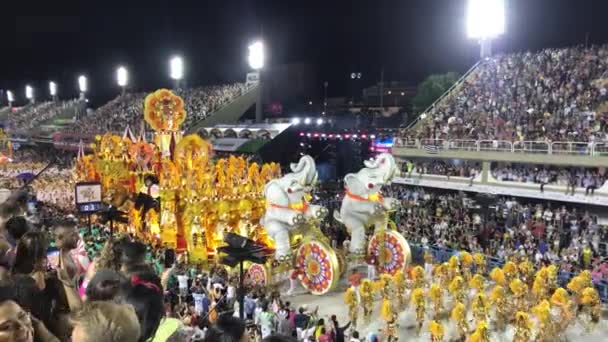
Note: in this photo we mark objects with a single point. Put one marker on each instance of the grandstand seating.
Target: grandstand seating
(550, 95)
(127, 110)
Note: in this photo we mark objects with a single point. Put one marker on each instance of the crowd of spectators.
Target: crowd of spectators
(549, 95)
(545, 232)
(127, 109)
(441, 167)
(33, 115)
(571, 178)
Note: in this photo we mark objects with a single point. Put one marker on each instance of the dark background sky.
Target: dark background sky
(44, 40)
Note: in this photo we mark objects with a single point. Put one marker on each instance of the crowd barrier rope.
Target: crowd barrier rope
(441, 255)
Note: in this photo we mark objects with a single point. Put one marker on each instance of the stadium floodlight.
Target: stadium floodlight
(307, 121)
(53, 88)
(82, 84)
(256, 55)
(319, 121)
(10, 97)
(122, 76)
(29, 92)
(485, 18)
(176, 68)
(295, 121)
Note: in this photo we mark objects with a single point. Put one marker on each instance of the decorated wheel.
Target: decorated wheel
(319, 266)
(256, 275)
(395, 255)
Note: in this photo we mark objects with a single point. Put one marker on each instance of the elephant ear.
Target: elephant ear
(274, 193)
(354, 185)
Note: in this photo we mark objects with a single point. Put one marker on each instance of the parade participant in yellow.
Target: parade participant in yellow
(366, 293)
(540, 287)
(497, 298)
(481, 333)
(592, 306)
(552, 278)
(437, 331)
(440, 272)
(466, 261)
(389, 315)
(519, 290)
(436, 294)
(561, 300)
(350, 299)
(542, 311)
(459, 316)
(418, 277)
(428, 261)
(480, 307)
(477, 283)
(523, 327)
(419, 302)
(400, 287)
(510, 270)
(453, 267)
(480, 263)
(498, 276)
(456, 289)
(526, 271)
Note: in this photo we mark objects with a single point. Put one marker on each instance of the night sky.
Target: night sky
(54, 40)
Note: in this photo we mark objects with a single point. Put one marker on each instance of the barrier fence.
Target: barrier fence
(442, 255)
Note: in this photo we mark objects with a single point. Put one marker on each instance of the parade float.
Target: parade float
(199, 198)
(293, 223)
(178, 195)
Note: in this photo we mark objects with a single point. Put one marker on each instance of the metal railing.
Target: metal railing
(538, 147)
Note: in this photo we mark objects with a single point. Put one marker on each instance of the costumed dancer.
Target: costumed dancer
(390, 317)
(466, 261)
(419, 302)
(294, 277)
(481, 333)
(497, 298)
(544, 326)
(350, 299)
(592, 306)
(480, 307)
(418, 280)
(400, 287)
(436, 294)
(148, 197)
(523, 327)
(459, 316)
(366, 292)
(456, 289)
(437, 331)
(428, 262)
(561, 300)
(519, 291)
(480, 263)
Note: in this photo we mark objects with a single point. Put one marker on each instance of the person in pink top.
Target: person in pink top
(66, 240)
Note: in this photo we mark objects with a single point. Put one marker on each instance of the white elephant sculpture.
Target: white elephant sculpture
(286, 205)
(363, 204)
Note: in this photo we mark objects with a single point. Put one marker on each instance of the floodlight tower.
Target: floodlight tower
(256, 62)
(122, 78)
(485, 21)
(82, 86)
(53, 90)
(29, 94)
(10, 97)
(176, 70)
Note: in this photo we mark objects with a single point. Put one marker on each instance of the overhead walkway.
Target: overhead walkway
(231, 112)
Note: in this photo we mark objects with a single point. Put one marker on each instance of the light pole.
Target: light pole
(53, 90)
(325, 84)
(485, 20)
(176, 70)
(82, 86)
(256, 62)
(29, 93)
(10, 97)
(122, 78)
